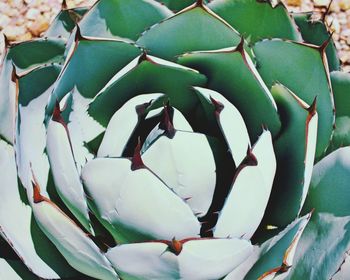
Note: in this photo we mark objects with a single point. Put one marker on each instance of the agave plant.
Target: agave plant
(175, 140)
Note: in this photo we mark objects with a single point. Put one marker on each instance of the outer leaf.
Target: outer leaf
(231, 72)
(64, 23)
(322, 247)
(121, 18)
(14, 270)
(341, 89)
(188, 31)
(316, 32)
(148, 74)
(19, 229)
(257, 20)
(276, 255)
(295, 152)
(64, 170)
(80, 67)
(329, 189)
(277, 62)
(114, 179)
(344, 270)
(198, 259)
(76, 247)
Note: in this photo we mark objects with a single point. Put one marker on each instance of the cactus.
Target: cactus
(175, 140)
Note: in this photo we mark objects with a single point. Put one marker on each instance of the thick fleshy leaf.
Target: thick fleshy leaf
(19, 229)
(64, 170)
(329, 189)
(316, 32)
(230, 121)
(31, 54)
(322, 247)
(64, 23)
(148, 74)
(113, 178)
(76, 247)
(31, 131)
(344, 270)
(295, 152)
(277, 62)
(177, 5)
(231, 72)
(198, 259)
(123, 123)
(341, 89)
(257, 20)
(8, 101)
(185, 163)
(121, 18)
(188, 31)
(87, 72)
(277, 255)
(242, 212)
(14, 270)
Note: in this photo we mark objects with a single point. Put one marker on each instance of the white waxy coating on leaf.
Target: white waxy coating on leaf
(122, 125)
(199, 259)
(311, 141)
(137, 200)
(76, 247)
(186, 164)
(246, 203)
(65, 173)
(7, 271)
(31, 143)
(231, 123)
(15, 216)
(8, 102)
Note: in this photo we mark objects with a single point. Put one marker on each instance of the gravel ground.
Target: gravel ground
(25, 19)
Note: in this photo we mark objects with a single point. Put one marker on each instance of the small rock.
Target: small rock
(321, 3)
(344, 4)
(39, 26)
(4, 21)
(32, 14)
(12, 32)
(294, 2)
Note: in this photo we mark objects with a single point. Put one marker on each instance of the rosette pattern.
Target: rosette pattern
(175, 140)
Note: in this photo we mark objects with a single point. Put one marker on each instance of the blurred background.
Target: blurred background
(25, 19)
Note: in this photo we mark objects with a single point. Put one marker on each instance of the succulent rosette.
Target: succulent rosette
(175, 140)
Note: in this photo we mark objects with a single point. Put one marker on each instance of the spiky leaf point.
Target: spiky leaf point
(127, 183)
(316, 32)
(295, 152)
(197, 258)
(242, 213)
(257, 20)
(178, 5)
(190, 167)
(220, 66)
(277, 61)
(123, 123)
(148, 74)
(341, 89)
(101, 20)
(80, 67)
(188, 31)
(19, 229)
